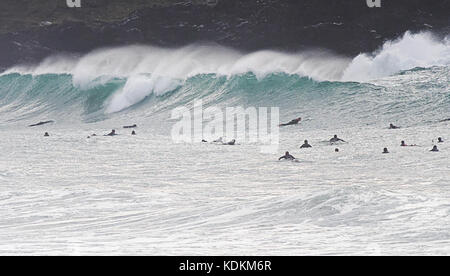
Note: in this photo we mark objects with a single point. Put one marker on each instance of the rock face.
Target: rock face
(31, 30)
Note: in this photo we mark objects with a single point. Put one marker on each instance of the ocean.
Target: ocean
(145, 194)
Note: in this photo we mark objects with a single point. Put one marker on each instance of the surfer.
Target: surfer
(41, 123)
(204, 141)
(293, 122)
(435, 149)
(287, 156)
(133, 132)
(335, 139)
(403, 144)
(306, 145)
(440, 140)
(112, 133)
(133, 126)
(391, 126)
(231, 143)
(336, 150)
(385, 151)
(46, 134)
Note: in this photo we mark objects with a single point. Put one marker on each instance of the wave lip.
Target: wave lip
(188, 61)
(32, 98)
(137, 88)
(128, 75)
(408, 52)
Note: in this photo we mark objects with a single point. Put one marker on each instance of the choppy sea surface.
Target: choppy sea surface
(145, 194)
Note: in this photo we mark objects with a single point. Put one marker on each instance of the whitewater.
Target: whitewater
(144, 194)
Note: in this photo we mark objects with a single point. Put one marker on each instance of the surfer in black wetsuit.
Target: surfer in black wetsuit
(335, 139)
(440, 140)
(231, 143)
(41, 123)
(46, 134)
(435, 149)
(112, 133)
(133, 126)
(385, 151)
(391, 126)
(306, 145)
(293, 122)
(287, 156)
(336, 150)
(133, 132)
(403, 144)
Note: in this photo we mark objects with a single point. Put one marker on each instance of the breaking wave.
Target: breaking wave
(108, 81)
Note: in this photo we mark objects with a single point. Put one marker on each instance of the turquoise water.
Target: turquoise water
(145, 194)
(401, 98)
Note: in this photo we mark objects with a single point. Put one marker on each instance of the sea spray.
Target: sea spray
(408, 52)
(107, 81)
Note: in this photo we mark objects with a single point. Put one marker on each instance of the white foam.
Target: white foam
(137, 88)
(408, 52)
(186, 62)
(158, 70)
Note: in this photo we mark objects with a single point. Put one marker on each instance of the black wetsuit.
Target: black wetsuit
(334, 140)
(287, 157)
(293, 122)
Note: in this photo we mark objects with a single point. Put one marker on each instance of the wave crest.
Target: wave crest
(408, 52)
(148, 70)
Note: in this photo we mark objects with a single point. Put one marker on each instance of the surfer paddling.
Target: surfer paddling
(112, 133)
(335, 139)
(403, 144)
(291, 123)
(306, 145)
(392, 126)
(231, 143)
(287, 156)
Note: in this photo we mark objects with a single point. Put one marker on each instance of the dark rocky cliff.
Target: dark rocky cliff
(31, 30)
